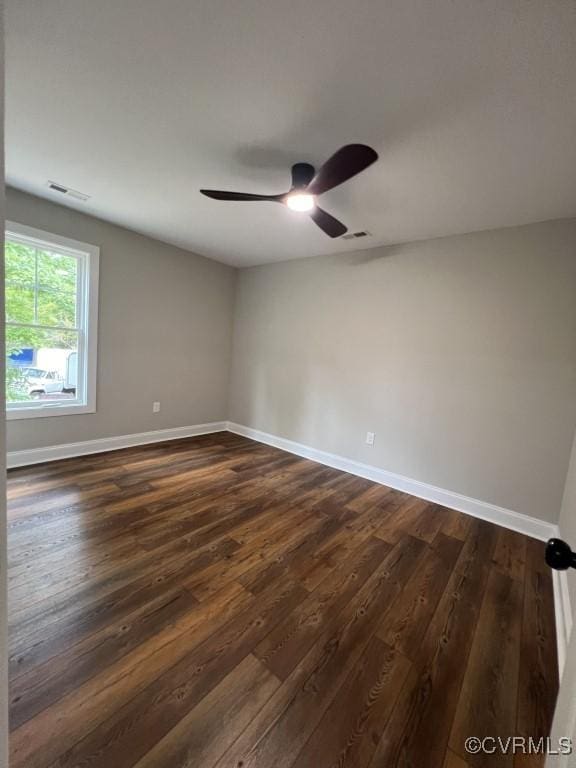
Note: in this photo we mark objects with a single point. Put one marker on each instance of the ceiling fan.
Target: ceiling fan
(307, 184)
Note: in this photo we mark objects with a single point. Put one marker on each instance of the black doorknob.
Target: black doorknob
(559, 555)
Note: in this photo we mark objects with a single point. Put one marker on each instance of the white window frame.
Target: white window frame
(88, 257)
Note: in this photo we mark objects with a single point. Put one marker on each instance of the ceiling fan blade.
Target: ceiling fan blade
(345, 163)
(218, 194)
(302, 175)
(327, 223)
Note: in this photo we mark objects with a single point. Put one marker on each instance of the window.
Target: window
(51, 287)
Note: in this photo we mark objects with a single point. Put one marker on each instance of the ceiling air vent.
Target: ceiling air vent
(354, 235)
(62, 190)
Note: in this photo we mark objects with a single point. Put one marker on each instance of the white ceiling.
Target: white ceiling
(139, 103)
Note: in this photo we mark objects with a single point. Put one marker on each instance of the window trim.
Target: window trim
(87, 363)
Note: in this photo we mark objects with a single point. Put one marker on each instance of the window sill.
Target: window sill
(50, 411)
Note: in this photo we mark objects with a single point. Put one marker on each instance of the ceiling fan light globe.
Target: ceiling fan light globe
(300, 202)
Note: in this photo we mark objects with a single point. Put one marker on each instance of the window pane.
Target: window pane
(20, 263)
(42, 365)
(19, 304)
(56, 308)
(57, 271)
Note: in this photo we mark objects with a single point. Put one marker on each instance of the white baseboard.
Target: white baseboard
(506, 517)
(531, 526)
(70, 450)
(563, 613)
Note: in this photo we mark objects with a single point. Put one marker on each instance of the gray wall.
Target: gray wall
(165, 327)
(459, 353)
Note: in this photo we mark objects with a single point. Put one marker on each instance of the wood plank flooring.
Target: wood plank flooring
(216, 603)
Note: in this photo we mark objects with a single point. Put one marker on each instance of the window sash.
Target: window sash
(85, 327)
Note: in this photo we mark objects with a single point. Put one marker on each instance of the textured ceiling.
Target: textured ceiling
(139, 103)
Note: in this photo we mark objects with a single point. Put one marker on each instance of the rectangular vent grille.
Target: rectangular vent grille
(62, 190)
(354, 235)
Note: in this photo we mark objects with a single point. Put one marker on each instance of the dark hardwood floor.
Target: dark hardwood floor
(214, 602)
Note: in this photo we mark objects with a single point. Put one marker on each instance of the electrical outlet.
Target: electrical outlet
(156, 407)
(370, 438)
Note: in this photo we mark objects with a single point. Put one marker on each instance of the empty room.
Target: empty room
(290, 384)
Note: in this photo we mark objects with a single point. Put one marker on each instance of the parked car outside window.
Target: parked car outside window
(39, 382)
